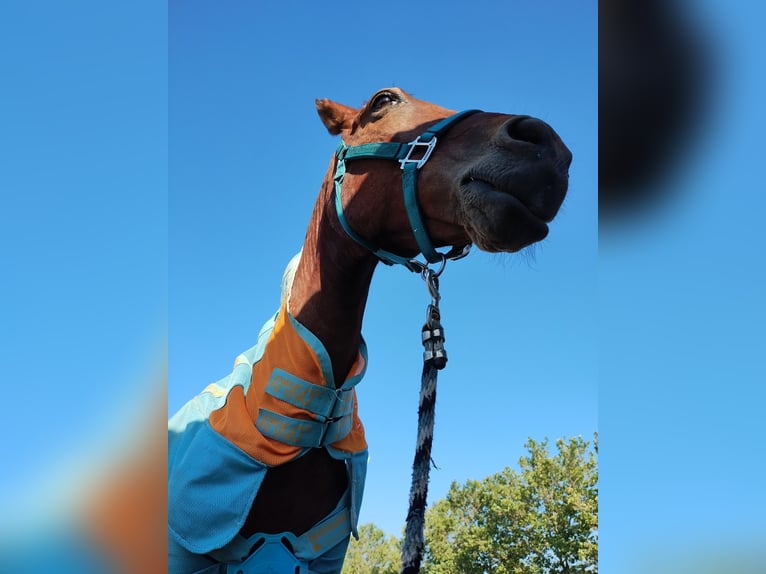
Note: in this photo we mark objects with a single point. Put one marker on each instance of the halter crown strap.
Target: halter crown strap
(402, 153)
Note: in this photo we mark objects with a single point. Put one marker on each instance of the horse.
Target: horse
(267, 466)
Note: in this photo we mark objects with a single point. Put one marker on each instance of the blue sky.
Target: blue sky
(83, 236)
(161, 167)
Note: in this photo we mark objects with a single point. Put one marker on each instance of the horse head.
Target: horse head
(493, 179)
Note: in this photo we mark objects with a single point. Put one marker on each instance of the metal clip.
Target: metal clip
(432, 282)
(458, 252)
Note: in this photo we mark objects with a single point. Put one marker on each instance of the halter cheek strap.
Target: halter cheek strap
(401, 152)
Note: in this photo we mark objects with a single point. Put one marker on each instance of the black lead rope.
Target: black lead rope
(434, 359)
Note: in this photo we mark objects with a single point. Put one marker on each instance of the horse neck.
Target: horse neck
(331, 284)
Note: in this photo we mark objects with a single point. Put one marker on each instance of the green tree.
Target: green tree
(542, 519)
(373, 553)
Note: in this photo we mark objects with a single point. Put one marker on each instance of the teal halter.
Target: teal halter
(402, 153)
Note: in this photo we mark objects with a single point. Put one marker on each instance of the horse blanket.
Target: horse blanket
(279, 401)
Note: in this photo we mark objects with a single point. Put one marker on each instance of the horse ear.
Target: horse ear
(336, 117)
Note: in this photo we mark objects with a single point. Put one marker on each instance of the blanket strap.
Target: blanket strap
(332, 409)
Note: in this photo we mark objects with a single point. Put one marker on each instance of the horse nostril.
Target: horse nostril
(528, 129)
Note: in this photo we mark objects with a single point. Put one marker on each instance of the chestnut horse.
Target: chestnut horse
(250, 484)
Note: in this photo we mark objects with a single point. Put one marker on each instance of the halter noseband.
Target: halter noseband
(402, 153)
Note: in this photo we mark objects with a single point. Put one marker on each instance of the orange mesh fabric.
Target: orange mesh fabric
(286, 350)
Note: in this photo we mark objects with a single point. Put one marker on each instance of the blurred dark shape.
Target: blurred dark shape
(653, 80)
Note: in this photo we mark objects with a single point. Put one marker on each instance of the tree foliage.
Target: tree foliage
(539, 520)
(373, 553)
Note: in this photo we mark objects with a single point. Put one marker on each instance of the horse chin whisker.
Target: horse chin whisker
(526, 256)
(529, 254)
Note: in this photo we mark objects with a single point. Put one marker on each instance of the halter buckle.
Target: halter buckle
(430, 145)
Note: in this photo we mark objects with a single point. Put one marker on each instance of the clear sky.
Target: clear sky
(163, 161)
(83, 237)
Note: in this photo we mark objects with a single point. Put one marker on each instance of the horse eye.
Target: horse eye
(382, 100)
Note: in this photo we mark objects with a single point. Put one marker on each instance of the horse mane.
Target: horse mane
(288, 275)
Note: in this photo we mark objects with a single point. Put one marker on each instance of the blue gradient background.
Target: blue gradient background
(148, 154)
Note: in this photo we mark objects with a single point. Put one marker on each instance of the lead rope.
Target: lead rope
(434, 359)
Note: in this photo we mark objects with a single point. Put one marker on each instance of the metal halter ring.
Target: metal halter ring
(424, 269)
(453, 255)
